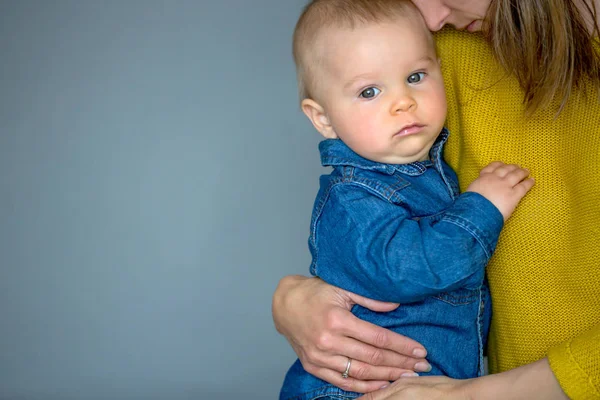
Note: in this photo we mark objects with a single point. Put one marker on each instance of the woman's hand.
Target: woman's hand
(315, 318)
(422, 388)
(532, 382)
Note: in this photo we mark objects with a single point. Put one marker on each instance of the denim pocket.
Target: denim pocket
(459, 297)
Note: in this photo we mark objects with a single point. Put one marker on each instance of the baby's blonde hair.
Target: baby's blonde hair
(346, 14)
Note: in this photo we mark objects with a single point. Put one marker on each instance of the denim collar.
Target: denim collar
(334, 153)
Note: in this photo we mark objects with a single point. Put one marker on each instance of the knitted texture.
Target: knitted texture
(545, 274)
(578, 374)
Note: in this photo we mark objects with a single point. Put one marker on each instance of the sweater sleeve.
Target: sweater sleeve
(576, 365)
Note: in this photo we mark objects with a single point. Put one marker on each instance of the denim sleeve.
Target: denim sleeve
(373, 248)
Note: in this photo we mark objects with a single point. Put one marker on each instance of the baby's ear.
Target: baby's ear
(316, 113)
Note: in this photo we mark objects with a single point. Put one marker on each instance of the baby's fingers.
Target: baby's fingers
(524, 186)
(516, 175)
(491, 167)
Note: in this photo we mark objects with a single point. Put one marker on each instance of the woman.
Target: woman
(525, 92)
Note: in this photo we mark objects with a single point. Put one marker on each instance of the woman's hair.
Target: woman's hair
(547, 45)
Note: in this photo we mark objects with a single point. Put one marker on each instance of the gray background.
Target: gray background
(156, 181)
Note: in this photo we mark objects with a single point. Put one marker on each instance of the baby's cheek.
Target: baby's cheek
(437, 108)
(366, 130)
(362, 137)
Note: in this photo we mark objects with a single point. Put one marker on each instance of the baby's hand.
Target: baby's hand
(502, 184)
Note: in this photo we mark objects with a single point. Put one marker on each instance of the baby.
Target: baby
(388, 222)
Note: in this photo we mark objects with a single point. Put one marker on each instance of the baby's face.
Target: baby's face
(382, 90)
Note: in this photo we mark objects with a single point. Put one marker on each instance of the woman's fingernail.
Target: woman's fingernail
(423, 366)
(384, 386)
(408, 374)
(421, 353)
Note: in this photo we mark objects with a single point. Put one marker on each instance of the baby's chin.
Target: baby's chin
(403, 159)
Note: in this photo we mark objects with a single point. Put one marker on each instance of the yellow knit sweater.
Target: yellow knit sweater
(545, 274)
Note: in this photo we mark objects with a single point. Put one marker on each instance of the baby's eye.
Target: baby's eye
(416, 77)
(369, 93)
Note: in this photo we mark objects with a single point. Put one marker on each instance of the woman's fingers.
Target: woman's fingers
(350, 384)
(356, 381)
(379, 346)
(330, 369)
(421, 388)
(386, 368)
(380, 337)
(373, 305)
(368, 342)
(375, 357)
(369, 362)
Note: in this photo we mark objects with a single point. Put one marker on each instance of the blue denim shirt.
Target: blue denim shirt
(403, 233)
